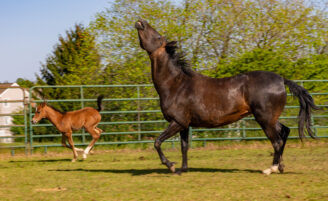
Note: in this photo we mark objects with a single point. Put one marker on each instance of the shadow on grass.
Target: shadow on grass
(42, 161)
(136, 172)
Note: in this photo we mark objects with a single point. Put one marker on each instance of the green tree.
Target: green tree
(210, 32)
(74, 61)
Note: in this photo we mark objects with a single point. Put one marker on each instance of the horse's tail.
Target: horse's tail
(99, 99)
(306, 106)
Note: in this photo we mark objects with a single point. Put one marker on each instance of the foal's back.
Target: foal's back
(85, 117)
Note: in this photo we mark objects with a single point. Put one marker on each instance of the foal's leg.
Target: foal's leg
(71, 143)
(63, 142)
(169, 132)
(184, 149)
(99, 130)
(95, 133)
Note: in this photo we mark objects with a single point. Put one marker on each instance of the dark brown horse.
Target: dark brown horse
(188, 98)
(66, 122)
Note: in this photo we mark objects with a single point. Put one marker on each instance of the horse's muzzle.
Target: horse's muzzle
(138, 25)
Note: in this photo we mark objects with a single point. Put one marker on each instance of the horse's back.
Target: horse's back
(225, 100)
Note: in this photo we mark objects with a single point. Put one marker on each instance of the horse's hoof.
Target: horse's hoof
(73, 160)
(172, 168)
(281, 168)
(267, 171)
(179, 172)
(84, 156)
(272, 169)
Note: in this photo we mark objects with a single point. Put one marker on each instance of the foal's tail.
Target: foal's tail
(99, 99)
(306, 106)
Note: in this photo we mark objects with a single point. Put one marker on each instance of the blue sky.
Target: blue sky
(30, 29)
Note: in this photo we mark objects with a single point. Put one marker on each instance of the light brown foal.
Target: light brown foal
(66, 122)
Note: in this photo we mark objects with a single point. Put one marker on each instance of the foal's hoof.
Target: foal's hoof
(79, 150)
(84, 156)
(73, 160)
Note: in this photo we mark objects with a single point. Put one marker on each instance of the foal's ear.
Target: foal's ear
(44, 99)
(33, 105)
(170, 47)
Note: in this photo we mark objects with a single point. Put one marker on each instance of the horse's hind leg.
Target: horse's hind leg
(278, 135)
(272, 132)
(284, 132)
(275, 131)
(278, 143)
(95, 133)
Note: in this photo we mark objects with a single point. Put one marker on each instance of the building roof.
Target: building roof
(4, 86)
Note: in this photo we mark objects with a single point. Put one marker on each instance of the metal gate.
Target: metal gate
(132, 115)
(19, 139)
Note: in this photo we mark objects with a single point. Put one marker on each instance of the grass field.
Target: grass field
(226, 172)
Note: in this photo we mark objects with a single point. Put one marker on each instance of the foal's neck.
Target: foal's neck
(54, 117)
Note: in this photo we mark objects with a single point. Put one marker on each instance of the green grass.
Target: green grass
(226, 172)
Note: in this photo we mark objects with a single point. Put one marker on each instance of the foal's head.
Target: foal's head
(150, 40)
(40, 113)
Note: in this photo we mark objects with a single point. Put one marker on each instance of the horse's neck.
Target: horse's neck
(54, 117)
(163, 73)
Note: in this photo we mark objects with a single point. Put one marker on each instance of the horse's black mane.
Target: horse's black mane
(178, 58)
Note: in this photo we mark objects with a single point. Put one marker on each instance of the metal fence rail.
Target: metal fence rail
(132, 115)
(19, 140)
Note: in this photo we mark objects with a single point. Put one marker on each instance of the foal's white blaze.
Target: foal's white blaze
(272, 169)
(86, 151)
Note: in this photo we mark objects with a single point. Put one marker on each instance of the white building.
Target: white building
(9, 93)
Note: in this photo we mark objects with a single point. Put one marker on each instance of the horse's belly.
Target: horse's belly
(216, 120)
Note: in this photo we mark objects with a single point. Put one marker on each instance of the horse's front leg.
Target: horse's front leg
(169, 132)
(184, 136)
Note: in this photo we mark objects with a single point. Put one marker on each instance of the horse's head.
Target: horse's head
(40, 113)
(150, 40)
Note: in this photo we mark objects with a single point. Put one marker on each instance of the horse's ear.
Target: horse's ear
(170, 47)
